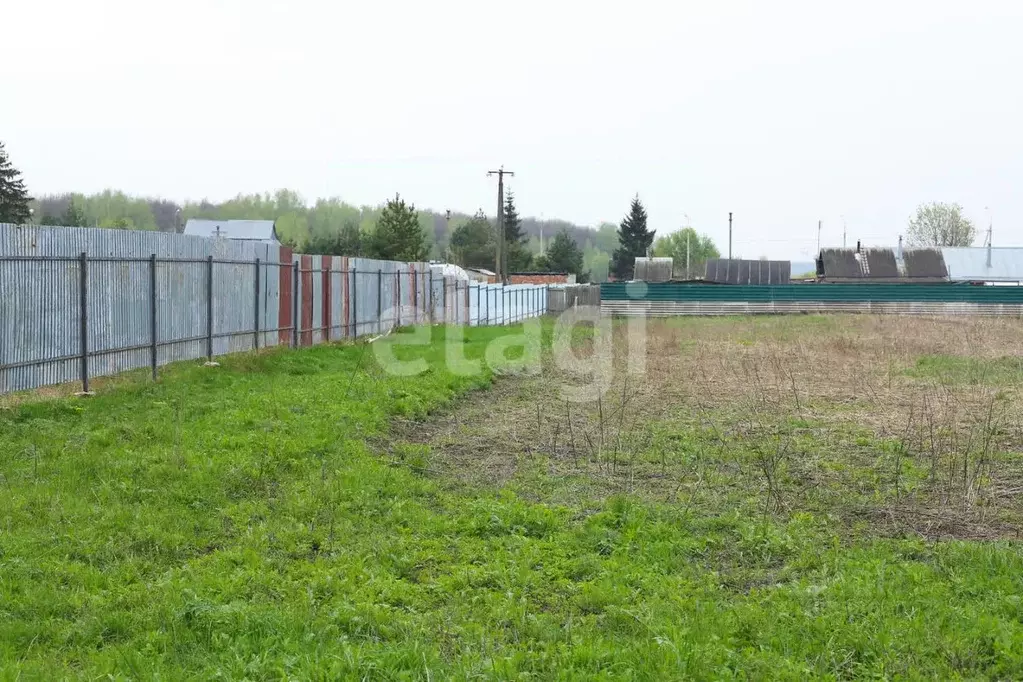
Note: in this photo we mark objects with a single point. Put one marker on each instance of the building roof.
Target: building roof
(483, 271)
(880, 264)
(249, 230)
(970, 263)
(739, 271)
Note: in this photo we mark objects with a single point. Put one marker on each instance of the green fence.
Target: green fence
(845, 293)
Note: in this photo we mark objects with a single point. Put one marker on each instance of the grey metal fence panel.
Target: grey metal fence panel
(318, 294)
(118, 315)
(181, 311)
(40, 321)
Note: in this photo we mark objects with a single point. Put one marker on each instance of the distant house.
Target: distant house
(482, 275)
(541, 278)
(262, 231)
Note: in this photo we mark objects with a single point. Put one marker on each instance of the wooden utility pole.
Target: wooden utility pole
(502, 276)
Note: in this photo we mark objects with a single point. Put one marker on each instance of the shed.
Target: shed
(263, 231)
(655, 269)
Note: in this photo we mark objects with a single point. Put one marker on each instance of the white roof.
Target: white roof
(251, 230)
(450, 270)
(971, 263)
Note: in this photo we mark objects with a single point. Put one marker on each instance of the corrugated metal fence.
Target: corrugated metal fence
(640, 298)
(77, 303)
(563, 298)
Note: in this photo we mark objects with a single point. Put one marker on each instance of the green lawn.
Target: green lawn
(244, 522)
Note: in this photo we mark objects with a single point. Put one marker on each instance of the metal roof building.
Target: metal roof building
(971, 264)
(241, 230)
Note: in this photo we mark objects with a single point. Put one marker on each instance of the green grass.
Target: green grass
(237, 522)
(952, 369)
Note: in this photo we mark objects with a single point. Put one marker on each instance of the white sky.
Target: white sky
(783, 112)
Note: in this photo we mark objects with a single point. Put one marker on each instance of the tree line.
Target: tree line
(398, 230)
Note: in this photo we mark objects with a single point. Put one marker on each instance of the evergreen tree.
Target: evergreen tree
(74, 216)
(474, 244)
(347, 242)
(517, 256)
(633, 241)
(398, 234)
(13, 196)
(563, 255)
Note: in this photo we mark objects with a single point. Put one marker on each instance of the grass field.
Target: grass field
(833, 497)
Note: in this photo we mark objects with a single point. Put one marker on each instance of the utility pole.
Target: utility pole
(818, 237)
(500, 173)
(541, 233)
(687, 254)
(729, 235)
(990, 227)
(843, 232)
(689, 230)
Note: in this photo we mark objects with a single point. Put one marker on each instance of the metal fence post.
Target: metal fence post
(479, 307)
(380, 301)
(255, 337)
(444, 293)
(430, 298)
(297, 300)
(209, 309)
(152, 315)
(397, 281)
(353, 301)
(83, 291)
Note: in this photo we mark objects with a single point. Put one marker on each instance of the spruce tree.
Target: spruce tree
(473, 244)
(563, 255)
(13, 196)
(517, 257)
(398, 234)
(633, 239)
(74, 216)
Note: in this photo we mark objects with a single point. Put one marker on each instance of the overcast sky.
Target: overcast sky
(783, 112)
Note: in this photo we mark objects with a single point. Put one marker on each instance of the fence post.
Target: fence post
(444, 294)
(297, 301)
(209, 309)
(430, 296)
(255, 338)
(83, 291)
(380, 301)
(152, 314)
(353, 301)
(479, 307)
(397, 281)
